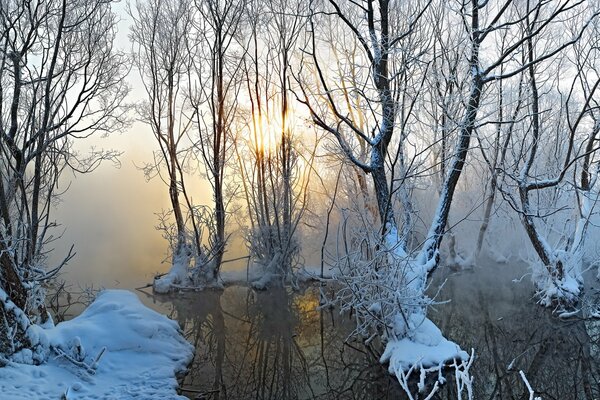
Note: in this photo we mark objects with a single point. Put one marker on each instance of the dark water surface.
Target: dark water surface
(273, 345)
(277, 345)
(499, 318)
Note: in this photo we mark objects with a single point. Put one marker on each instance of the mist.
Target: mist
(299, 199)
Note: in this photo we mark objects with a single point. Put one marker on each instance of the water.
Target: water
(277, 345)
(498, 317)
(273, 345)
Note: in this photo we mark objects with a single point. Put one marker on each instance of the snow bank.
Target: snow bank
(144, 352)
(424, 345)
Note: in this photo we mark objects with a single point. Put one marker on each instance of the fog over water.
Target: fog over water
(300, 199)
(109, 214)
(110, 217)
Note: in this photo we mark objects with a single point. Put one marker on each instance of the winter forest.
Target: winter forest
(300, 199)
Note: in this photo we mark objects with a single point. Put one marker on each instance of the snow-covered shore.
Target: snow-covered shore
(144, 351)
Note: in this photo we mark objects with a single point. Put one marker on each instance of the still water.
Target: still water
(496, 315)
(273, 345)
(278, 345)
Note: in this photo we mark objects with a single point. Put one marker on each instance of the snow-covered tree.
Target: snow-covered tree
(61, 81)
(556, 169)
(385, 287)
(161, 35)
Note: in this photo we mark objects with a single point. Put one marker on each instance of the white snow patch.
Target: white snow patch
(177, 275)
(144, 352)
(566, 289)
(269, 273)
(422, 344)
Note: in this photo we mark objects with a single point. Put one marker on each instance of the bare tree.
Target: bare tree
(543, 174)
(214, 86)
(162, 33)
(383, 289)
(274, 182)
(447, 89)
(495, 150)
(61, 80)
(379, 32)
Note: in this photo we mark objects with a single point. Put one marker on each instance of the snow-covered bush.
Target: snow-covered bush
(559, 282)
(274, 257)
(384, 289)
(565, 288)
(192, 261)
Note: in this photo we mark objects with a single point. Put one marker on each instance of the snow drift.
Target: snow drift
(140, 353)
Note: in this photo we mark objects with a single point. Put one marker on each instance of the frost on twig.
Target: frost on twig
(528, 386)
(385, 292)
(194, 265)
(88, 367)
(417, 372)
(563, 291)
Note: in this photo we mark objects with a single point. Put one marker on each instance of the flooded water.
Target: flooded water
(272, 345)
(498, 317)
(277, 345)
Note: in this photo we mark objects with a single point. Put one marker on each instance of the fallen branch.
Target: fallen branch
(529, 388)
(91, 368)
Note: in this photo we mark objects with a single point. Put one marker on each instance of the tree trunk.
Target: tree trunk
(526, 218)
(220, 227)
(10, 282)
(489, 204)
(436, 232)
(429, 254)
(382, 194)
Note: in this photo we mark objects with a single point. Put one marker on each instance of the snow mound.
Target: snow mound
(177, 275)
(565, 290)
(424, 345)
(144, 351)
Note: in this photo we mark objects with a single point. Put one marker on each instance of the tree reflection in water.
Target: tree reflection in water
(277, 345)
(273, 345)
(497, 316)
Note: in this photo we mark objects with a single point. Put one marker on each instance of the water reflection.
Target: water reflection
(498, 317)
(273, 345)
(276, 345)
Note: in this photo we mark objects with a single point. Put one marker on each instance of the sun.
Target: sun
(267, 131)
